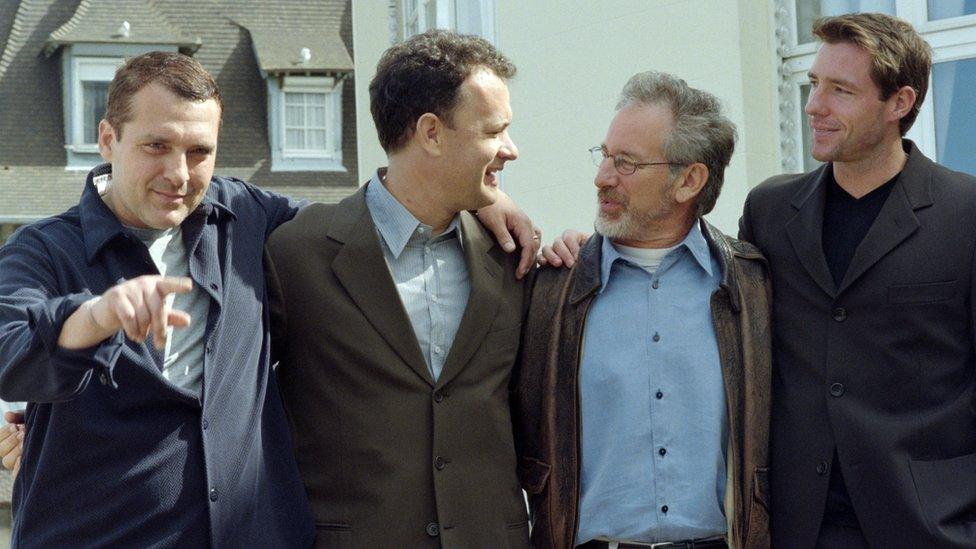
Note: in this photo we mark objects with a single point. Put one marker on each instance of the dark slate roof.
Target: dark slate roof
(98, 21)
(28, 193)
(281, 53)
(33, 179)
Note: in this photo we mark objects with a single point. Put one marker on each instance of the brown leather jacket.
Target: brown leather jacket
(546, 398)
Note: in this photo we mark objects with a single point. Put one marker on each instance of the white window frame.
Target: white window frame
(951, 39)
(87, 69)
(456, 15)
(283, 159)
(319, 85)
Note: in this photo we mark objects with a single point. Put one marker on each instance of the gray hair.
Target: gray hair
(701, 132)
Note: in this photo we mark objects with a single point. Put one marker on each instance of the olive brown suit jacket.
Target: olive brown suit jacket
(389, 457)
(882, 367)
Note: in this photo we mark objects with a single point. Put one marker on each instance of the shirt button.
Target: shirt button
(822, 468)
(440, 463)
(432, 529)
(840, 314)
(664, 509)
(213, 286)
(205, 424)
(656, 338)
(654, 284)
(433, 297)
(437, 350)
(836, 389)
(662, 451)
(214, 494)
(659, 395)
(102, 378)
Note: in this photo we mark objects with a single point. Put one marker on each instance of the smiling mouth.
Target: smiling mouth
(170, 197)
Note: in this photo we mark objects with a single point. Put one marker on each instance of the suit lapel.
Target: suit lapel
(362, 271)
(486, 276)
(896, 221)
(805, 230)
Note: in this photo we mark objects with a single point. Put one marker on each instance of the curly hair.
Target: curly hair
(423, 75)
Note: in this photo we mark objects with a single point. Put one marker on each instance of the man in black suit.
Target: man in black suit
(873, 258)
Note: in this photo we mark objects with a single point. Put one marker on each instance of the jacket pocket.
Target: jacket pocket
(757, 531)
(931, 292)
(533, 475)
(945, 493)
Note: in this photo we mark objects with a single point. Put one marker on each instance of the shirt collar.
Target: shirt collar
(394, 222)
(100, 225)
(694, 242)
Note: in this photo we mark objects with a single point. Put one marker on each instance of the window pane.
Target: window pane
(294, 116)
(295, 139)
(807, 11)
(944, 9)
(294, 98)
(430, 14)
(316, 117)
(809, 162)
(95, 95)
(315, 98)
(955, 110)
(316, 140)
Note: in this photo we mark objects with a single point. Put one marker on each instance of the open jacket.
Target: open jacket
(547, 405)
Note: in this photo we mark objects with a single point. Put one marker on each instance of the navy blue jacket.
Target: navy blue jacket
(115, 454)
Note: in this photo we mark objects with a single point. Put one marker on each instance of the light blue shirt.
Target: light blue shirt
(430, 274)
(654, 419)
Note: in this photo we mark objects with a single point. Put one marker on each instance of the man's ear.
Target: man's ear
(429, 133)
(901, 103)
(106, 140)
(689, 183)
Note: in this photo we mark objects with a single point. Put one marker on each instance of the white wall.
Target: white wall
(574, 56)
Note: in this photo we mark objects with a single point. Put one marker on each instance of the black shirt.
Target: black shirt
(846, 222)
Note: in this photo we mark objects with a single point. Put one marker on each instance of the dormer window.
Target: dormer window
(90, 77)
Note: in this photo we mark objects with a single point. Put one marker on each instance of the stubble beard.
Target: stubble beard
(631, 224)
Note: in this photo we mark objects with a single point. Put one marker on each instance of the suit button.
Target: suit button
(214, 494)
(840, 314)
(440, 463)
(432, 529)
(438, 396)
(836, 389)
(822, 468)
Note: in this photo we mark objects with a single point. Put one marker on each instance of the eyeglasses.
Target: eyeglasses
(622, 165)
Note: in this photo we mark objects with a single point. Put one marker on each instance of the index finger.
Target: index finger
(174, 285)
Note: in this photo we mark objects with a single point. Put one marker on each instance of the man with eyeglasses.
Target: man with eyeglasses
(643, 385)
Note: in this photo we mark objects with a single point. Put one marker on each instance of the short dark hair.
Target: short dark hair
(899, 56)
(181, 74)
(422, 75)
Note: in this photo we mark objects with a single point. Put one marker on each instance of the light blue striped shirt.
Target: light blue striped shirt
(654, 420)
(430, 274)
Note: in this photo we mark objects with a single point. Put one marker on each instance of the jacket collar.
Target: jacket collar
(99, 224)
(586, 276)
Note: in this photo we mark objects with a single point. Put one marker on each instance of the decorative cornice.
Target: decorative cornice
(787, 109)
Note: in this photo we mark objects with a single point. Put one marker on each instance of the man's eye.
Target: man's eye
(625, 164)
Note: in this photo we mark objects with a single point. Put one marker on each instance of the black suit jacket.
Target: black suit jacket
(880, 368)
